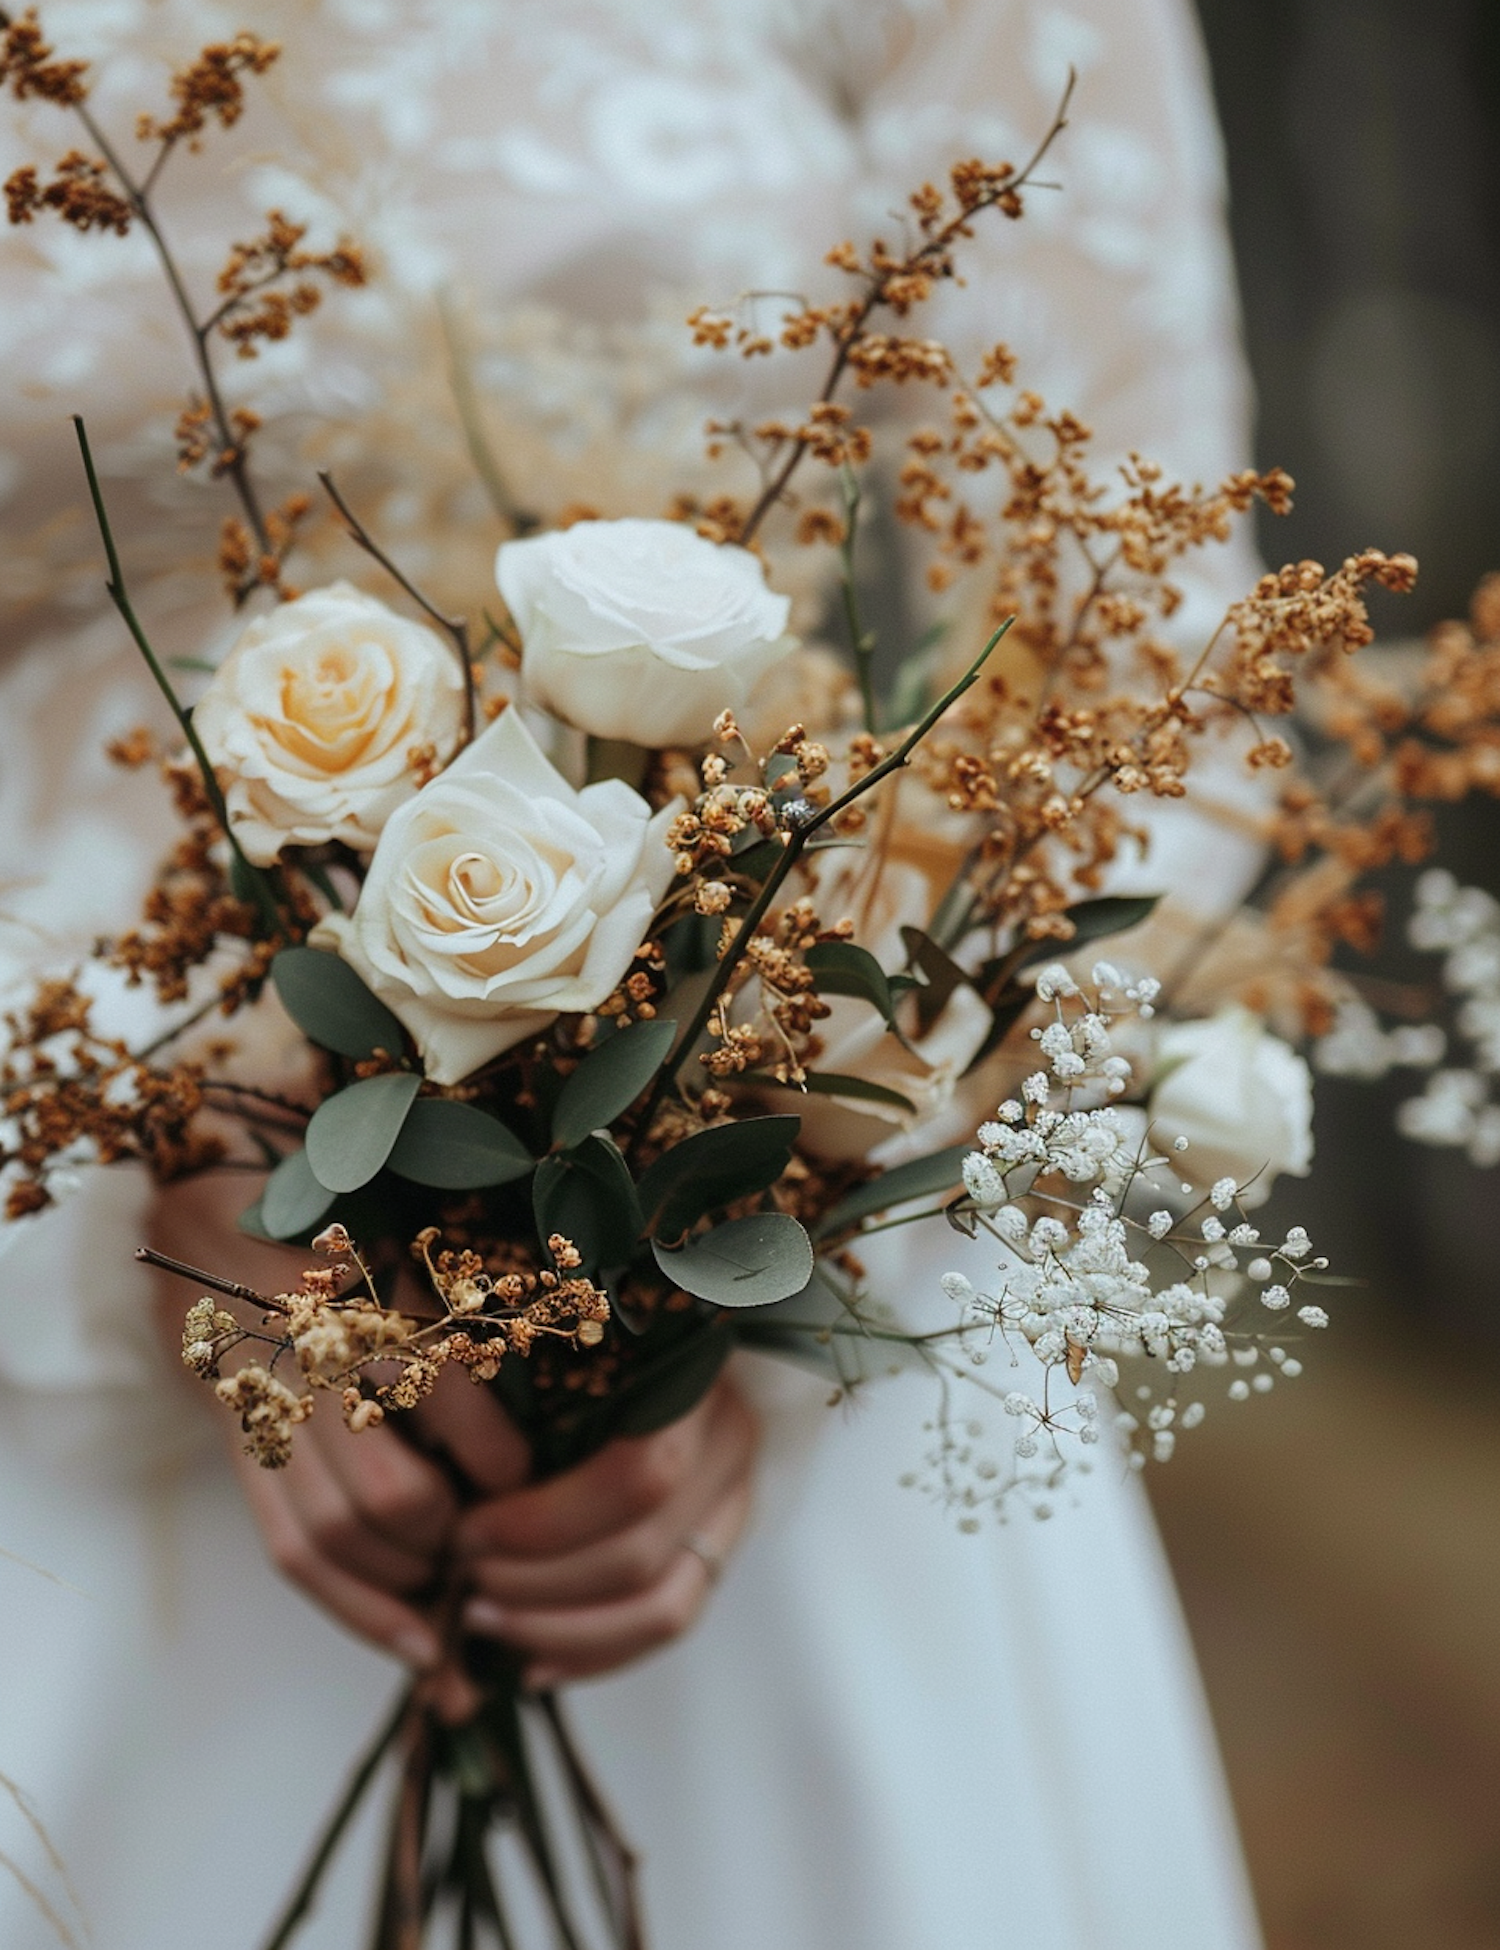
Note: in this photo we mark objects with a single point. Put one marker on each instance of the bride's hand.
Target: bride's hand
(584, 1572)
(591, 1569)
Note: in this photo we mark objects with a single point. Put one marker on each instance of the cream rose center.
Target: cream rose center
(332, 711)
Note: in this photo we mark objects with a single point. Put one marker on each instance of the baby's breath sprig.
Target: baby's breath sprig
(1101, 1266)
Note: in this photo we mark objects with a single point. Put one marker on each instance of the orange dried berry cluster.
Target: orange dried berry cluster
(78, 192)
(787, 1001)
(187, 914)
(28, 69)
(244, 566)
(641, 988)
(71, 1094)
(209, 87)
(510, 1312)
(252, 308)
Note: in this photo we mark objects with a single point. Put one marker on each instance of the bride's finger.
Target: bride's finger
(369, 1612)
(397, 1494)
(633, 1559)
(341, 1530)
(612, 1491)
(579, 1642)
(468, 1424)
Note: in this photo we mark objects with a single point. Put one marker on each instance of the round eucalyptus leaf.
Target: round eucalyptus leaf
(745, 1263)
(713, 1168)
(844, 968)
(332, 1006)
(352, 1135)
(293, 1201)
(456, 1148)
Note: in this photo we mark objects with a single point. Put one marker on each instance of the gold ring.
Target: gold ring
(706, 1555)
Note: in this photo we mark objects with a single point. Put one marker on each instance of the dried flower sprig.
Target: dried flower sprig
(890, 280)
(265, 284)
(341, 1338)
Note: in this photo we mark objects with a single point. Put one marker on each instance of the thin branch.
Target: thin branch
(874, 299)
(261, 884)
(519, 521)
(457, 627)
(796, 845)
(861, 640)
(232, 1288)
(138, 196)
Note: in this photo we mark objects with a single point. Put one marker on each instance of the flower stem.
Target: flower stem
(260, 884)
(306, 1891)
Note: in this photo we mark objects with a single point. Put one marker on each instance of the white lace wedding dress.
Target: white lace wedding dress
(884, 1735)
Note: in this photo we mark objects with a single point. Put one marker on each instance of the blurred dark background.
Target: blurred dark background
(1336, 1542)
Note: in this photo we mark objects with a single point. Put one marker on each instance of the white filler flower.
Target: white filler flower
(318, 719)
(499, 897)
(1241, 1097)
(640, 630)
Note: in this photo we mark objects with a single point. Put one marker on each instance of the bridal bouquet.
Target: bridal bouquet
(644, 961)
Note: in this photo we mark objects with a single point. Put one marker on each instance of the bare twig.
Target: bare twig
(261, 884)
(138, 196)
(796, 845)
(457, 627)
(232, 1288)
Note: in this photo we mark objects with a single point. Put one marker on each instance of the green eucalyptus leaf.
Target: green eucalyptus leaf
(332, 1006)
(830, 1083)
(843, 968)
(457, 1148)
(586, 1194)
(940, 1171)
(609, 1079)
(714, 1167)
(673, 1386)
(352, 1135)
(744, 1263)
(293, 1201)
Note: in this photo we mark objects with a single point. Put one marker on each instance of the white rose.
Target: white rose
(499, 897)
(640, 630)
(312, 720)
(1241, 1097)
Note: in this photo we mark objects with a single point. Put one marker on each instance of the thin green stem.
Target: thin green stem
(861, 640)
(519, 521)
(258, 881)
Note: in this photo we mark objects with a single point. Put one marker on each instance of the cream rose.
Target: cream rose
(640, 630)
(499, 897)
(1240, 1096)
(313, 719)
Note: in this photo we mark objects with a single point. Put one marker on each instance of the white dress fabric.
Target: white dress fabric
(883, 1735)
